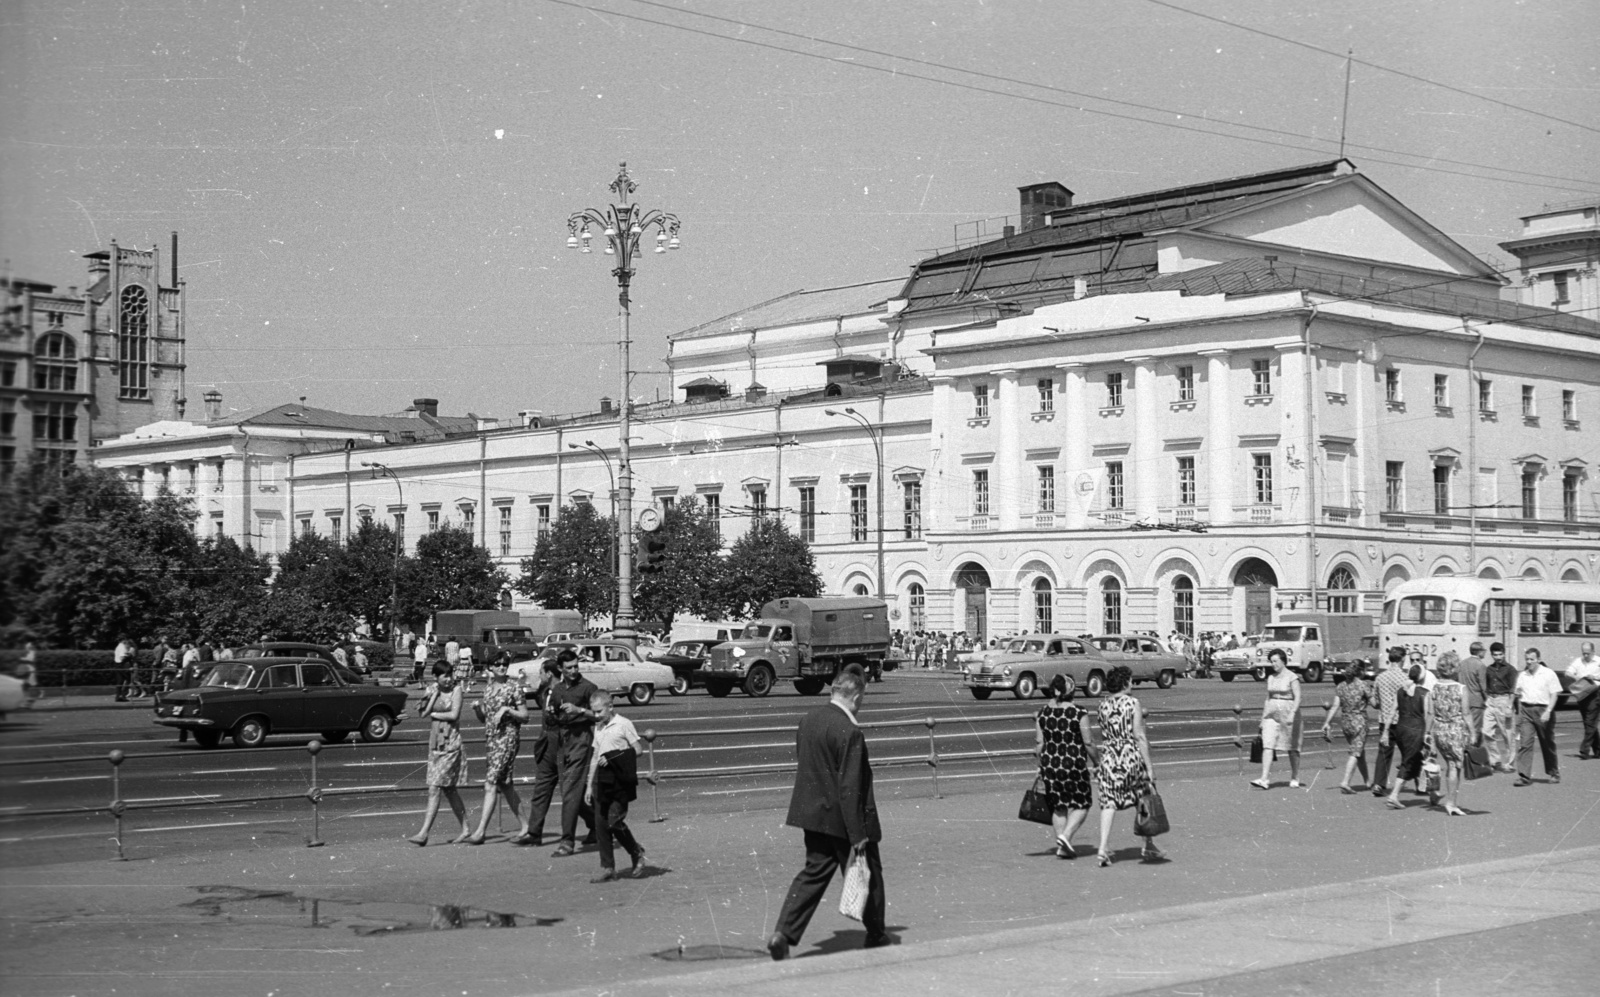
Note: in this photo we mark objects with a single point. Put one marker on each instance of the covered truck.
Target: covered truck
(1312, 642)
(804, 640)
(544, 622)
(489, 632)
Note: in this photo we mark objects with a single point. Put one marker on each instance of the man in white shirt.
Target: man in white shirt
(612, 784)
(1538, 688)
(1586, 668)
(419, 661)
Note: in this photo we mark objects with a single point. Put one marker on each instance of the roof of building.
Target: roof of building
(395, 428)
(801, 306)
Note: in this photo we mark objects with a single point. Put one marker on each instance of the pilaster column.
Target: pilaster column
(1291, 389)
(1219, 446)
(1006, 498)
(1075, 449)
(1147, 468)
(936, 488)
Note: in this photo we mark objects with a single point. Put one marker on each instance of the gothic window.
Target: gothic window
(133, 343)
(1342, 597)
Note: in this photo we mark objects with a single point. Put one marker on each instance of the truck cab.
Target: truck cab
(806, 640)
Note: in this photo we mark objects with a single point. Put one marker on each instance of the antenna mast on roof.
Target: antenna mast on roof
(1344, 113)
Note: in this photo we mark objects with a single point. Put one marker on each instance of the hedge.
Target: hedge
(98, 667)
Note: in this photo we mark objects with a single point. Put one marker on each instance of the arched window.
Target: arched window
(133, 343)
(860, 589)
(1111, 606)
(917, 602)
(55, 364)
(1183, 605)
(1044, 599)
(1342, 597)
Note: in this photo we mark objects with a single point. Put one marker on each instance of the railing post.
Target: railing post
(117, 806)
(314, 794)
(933, 757)
(1238, 736)
(649, 739)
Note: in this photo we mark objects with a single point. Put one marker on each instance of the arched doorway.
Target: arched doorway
(1257, 579)
(973, 582)
(1183, 605)
(1110, 605)
(1044, 601)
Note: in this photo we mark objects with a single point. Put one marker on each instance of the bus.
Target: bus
(1448, 613)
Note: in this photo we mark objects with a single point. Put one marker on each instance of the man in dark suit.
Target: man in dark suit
(833, 804)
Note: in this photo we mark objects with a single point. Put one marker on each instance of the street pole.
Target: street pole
(623, 224)
(394, 571)
(590, 446)
(877, 448)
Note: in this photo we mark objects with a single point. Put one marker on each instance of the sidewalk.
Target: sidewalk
(1256, 880)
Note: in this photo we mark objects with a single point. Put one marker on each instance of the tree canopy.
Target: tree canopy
(686, 579)
(573, 565)
(768, 562)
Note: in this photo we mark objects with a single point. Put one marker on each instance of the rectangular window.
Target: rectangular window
(469, 517)
(714, 511)
(1569, 405)
(1114, 484)
(667, 501)
(1186, 482)
(1485, 395)
(305, 526)
(913, 510)
(8, 463)
(1441, 489)
(808, 513)
(1530, 492)
(1261, 470)
(1261, 377)
(433, 520)
(1394, 486)
(505, 531)
(8, 374)
(1569, 497)
(1391, 386)
(1047, 394)
(542, 519)
(858, 513)
(56, 422)
(365, 517)
(1441, 390)
(758, 503)
(1047, 488)
(1114, 390)
(980, 493)
(1559, 280)
(1529, 409)
(336, 528)
(8, 424)
(1186, 384)
(980, 401)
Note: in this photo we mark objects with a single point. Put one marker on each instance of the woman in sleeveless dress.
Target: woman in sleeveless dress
(504, 713)
(446, 759)
(1062, 744)
(1280, 721)
(1125, 771)
(1409, 733)
(1351, 698)
(1447, 706)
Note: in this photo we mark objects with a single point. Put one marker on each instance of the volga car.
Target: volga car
(1145, 657)
(613, 666)
(1027, 664)
(248, 699)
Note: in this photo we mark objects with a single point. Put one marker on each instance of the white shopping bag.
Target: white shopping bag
(857, 878)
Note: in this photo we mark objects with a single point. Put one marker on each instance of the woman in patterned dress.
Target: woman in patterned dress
(446, 762)
(1352, 696)
(1125, 769)
(1062, 744)
(1409, 733)
(1447, 704)
(1280, 721)
(504, 713)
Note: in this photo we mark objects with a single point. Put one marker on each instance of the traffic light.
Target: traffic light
(652, 552)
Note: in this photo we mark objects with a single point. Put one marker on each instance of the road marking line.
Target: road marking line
(166, 799)
(61, 778)
(258, 768)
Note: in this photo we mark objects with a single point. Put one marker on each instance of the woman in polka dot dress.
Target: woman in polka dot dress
(1062, 746)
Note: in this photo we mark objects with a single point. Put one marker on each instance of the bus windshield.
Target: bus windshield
(1426, 610)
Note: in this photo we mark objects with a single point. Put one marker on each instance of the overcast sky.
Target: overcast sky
(372, 197)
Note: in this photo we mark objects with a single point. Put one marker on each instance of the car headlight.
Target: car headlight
(177, 711)
(738, 652)
(1007, 672)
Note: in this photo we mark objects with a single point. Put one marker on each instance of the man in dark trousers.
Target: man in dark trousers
(833, 804)
(561, 755)
(1388, 686)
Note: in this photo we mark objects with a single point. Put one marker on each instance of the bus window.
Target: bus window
(1552, 617)
(1388, 612)
(1463, 612)
(1572, 617)
(1484, 626)
(1423, 609)
(1527, 617)
(1591, 618)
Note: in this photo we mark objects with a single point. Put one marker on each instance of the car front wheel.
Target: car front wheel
(1167, 679)
(641, 693)
(759, 681)
(1313, 672)
(1258, 673)
(1026, 684)
(377, 727)
(1096, 684)
(679, 686)
(250, 733)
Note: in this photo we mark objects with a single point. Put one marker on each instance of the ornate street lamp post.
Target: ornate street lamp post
(394, 572)
(877, 447)
(623, 225)
(592, 447)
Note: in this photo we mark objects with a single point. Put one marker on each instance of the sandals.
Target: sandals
(1455, 811)
(1064, 849)
(1105, 859)
(1261, 783)
(1151, 853)
(1394, 804)
(1347, 791)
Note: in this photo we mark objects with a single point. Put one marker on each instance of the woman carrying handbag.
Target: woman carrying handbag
(1062, 746)
(1125, 772)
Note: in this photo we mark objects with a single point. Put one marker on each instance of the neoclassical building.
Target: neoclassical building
(1189, 409)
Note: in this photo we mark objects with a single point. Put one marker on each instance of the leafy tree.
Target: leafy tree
(572, 566)
(223, 595)
(363, 573)
(767, 563)
(449, 571)
(689, 574)
(294, 614)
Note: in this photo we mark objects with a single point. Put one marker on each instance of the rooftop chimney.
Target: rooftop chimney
(213, 400)
(605, 405)
(426, 406)
(1039, 200)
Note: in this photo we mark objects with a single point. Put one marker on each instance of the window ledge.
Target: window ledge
(1337, 398)
(1183, 405)
(1488, 415)
(1044, 417)
(1445, 411)
(1395, 404)
(1258, 399)
(1531, 420)
(977, 421)
(1571, 423)
(1111, 410)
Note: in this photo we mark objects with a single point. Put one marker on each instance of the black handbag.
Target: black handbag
(1151, 815)
(1037, 803)
(1257, 746)
(1475, 762)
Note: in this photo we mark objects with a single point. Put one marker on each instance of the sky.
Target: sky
(371, 198)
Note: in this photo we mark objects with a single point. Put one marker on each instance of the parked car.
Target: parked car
(292, 649)
(611, 665)
(249, 700)
(13, 695)
(687, 659)
(1025, 665)
(1144, 656)
(1366, 655)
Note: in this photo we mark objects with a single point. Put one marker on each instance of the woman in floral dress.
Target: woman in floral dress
(1061, 743)
(1448, 736)
(504, 713)
(1352, 696)
(1125, 768)
(446, 761)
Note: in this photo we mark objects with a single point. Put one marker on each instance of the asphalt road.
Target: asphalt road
(715, 756)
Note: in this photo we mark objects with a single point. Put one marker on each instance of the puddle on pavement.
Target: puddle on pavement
(363, 917)
(708, 953)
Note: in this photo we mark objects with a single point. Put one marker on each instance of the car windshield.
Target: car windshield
(756, 631)
(1033, 646)
(1286, 634)
(230, 675)
(686, 649)
(1016, 646)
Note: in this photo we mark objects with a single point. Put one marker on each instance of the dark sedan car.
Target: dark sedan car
(250, 699)
(687, 659)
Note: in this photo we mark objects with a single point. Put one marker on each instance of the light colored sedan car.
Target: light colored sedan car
(13, 695)
(611, 665)
(1144, 656)
(1027, 664)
